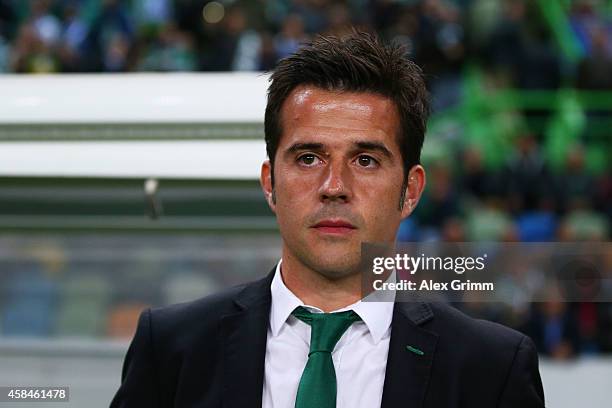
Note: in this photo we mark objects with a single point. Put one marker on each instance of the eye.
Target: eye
(366, 161)
(308, 159)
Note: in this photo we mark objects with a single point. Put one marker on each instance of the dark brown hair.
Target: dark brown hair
(358, 62)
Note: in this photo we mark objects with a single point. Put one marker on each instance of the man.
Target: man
(344, 127)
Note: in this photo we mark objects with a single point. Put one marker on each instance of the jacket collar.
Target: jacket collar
(244, 336)
(243, 342)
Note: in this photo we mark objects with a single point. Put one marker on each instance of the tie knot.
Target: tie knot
(326, 328)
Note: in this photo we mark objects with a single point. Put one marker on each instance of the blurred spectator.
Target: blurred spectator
(441, 50)
(595, 70)
(171, 50)
(523, 50)
(589, 318)
(31, 55)
(46, 25)
(574, 182)
(5, 52)
(540, 66)
(74, 33)
(7, 19)
(110, 38)
(400, 28)
(152, 13)
(290, 37)
(5, 15)
(248, 51)
(267, 52)
(603, 195)
(477, 180)
(453, 230)
(586, 21)
(339, 20)
(440, 201)
(441, 35)
(314, 13)
(526, 175)
(504, 42)
(584, 224)
(489, 222)
(537, 226)
(554, 330)
(232, 45)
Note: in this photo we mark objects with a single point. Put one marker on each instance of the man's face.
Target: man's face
(338, 177)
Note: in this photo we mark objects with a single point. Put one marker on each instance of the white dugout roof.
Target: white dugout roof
(218, 106)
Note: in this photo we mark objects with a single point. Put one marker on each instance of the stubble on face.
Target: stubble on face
(339, 132)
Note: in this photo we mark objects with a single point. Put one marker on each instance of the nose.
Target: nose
(335, 185)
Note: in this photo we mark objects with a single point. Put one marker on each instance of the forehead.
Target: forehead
(313, 111)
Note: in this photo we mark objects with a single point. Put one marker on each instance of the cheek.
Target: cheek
(385, 194)
(292, 200)
(382, 208)
(294, 187)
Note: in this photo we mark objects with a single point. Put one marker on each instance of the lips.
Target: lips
(334, 227)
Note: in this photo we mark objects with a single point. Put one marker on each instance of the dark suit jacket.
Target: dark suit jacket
(210, 353)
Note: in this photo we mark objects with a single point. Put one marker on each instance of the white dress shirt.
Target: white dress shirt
(360, 356)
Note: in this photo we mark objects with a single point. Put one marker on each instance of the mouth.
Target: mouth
(334, 227)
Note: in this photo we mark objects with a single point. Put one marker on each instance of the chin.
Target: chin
(335, 274)
(332, 260)
(335, 266)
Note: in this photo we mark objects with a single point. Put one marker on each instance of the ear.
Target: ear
(414, 189)
(265, 179)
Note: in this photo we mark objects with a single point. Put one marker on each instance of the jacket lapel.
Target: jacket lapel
(243, 336)
(411, 352)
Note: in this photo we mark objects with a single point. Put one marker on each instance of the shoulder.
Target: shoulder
(500, 362)
(203, 309)
(199, 319)
(479, 362)
(181, 338)
(447, 319)
(467, 340)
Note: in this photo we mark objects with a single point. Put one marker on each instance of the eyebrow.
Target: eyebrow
(296, 147)
(359, 145)
(375, 146)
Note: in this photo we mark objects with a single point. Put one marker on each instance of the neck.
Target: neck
(314, 289)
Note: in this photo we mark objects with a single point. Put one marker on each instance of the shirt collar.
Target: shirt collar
(377, 316)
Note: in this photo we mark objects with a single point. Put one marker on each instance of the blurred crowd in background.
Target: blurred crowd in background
(229, 35)
(521, 174)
